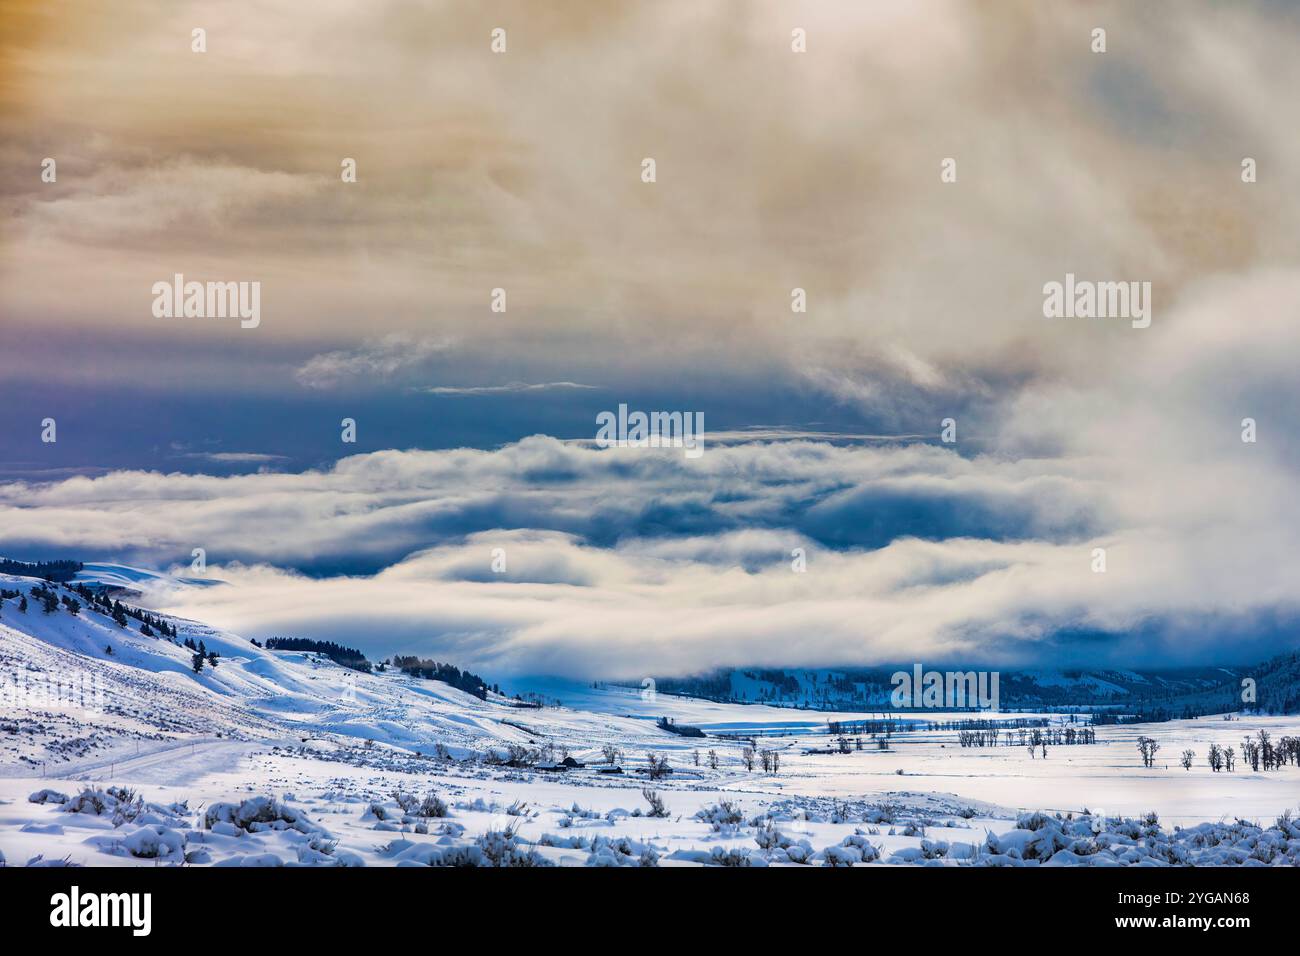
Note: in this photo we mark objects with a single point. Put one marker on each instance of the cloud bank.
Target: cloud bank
(626, 562)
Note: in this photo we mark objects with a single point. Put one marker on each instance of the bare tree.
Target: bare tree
(713, 759)
(657, 808)
(1215, 758)
(1187, 758)
(658, 766)
(1147, 747)
(747, 757)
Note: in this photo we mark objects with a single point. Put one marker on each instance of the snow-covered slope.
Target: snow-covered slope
(252, 692)
(126, 578)
(288, 757)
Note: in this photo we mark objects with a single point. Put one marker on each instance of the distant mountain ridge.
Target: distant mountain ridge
(1161, 693)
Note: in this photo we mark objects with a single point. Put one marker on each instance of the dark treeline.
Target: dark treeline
(348, 657)
(1261, 751)
(989, 724)
(681, 730)
(448, 674)
(1271, 687)
(883, 726)
(1025, 737)
(716, 686)
(49, 570)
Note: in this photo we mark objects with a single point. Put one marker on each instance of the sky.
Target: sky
(522, 170)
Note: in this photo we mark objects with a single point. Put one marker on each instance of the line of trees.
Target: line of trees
(49, 570)
(1036, 738)
(1261, 753)
(1258, 752)
(348, 657)
(447, 673)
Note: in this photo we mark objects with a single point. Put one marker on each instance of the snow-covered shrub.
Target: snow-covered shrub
(128, 811)
(840, 812)
(576, 811)
(736, 856)
(838, 856)
(318, 850)
(122, 802)
(780, 847)
(564, 843)
(504, 848)
(1033, 821)
(408, 802)
(1089, 841)
(259, 814)
(855, 848)
(149, 843)
(882, 813)
(93, 802)
(723, 813)
(934, 849)
(433, 806)
(48, 796)
(621, 851)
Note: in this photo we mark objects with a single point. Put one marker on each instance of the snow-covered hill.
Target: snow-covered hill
(136, 684)
(113, 750)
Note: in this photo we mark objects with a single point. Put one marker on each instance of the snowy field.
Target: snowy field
(126, 757)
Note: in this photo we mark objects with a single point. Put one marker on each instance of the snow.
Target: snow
(288, 759)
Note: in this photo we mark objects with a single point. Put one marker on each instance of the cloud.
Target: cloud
(508, 389)
(628, 562)
(234, 457)
(775, 171)
(376, 361)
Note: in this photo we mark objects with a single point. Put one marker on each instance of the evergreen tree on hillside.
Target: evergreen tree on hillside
(46, 570)
(447, 673)
(343, 656)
